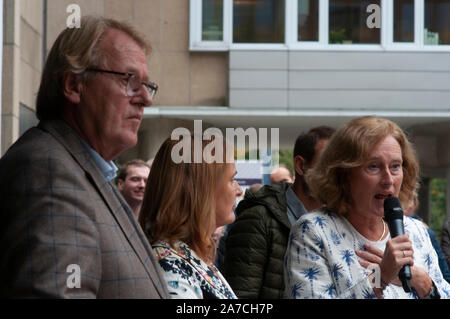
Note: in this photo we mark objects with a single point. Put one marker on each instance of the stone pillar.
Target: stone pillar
(10, 75)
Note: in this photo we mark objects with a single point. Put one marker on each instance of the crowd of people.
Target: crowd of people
(155, 230)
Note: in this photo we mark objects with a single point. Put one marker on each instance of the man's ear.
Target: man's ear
(120, 184)
(299, 165)
(72, 87)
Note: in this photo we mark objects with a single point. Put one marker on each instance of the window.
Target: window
(348, 22)
(258, 21)
(437, 22)
(420, 25)
(308, 20)
(212, 20)
(403, 20)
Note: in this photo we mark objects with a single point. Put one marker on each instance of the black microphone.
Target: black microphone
(393, 215)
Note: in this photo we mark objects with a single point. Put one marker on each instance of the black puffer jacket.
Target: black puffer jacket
(257, 242)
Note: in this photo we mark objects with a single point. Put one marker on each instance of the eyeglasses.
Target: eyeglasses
(133, 82)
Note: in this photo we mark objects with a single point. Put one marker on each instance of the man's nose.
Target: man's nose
(147, 97)
(142, 96)
(238, 190)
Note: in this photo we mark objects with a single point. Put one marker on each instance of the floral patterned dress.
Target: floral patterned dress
(189, 277)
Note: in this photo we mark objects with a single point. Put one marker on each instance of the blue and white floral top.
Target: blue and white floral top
(189, 277)
(321, 260)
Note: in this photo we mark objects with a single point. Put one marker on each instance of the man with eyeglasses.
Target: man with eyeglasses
(66, 231)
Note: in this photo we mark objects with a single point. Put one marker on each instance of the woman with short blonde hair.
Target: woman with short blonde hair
(349, 148)
(344, 249)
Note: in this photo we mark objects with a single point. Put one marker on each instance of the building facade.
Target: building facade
(287, 64)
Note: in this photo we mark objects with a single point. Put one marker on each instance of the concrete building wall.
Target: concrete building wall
(22, 65)
(314, 80)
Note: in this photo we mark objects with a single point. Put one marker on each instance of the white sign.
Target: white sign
(248, 173)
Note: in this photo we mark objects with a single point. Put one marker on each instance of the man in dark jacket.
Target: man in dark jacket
(256, 242)
(445, 241)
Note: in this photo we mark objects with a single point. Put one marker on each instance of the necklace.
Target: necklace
(384, 230)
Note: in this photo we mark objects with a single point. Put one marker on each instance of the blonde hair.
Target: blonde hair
(348, 148)
(74, 51)
(180, 200)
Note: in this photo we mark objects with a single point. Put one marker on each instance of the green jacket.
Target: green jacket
(257, 242)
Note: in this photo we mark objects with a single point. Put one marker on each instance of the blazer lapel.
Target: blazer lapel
(113, 199)
(143, 249)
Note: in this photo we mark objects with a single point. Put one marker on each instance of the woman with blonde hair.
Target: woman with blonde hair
(185, 201)
(333, 251)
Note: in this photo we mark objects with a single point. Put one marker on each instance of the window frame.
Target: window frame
(195, 28)
(291, 29)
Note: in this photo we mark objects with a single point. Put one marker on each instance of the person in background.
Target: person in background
(221, 248)
(184, 204)
(61, 213)
(131, 182)
(445, 241)
(333, 251)
(256, 242)
(280, 174)
(411, 211)
(217, 235)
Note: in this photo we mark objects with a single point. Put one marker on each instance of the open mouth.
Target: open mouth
(382, 196)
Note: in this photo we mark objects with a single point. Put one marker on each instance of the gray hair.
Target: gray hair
(74, 51)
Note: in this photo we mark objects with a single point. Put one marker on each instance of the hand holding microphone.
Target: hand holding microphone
(393, 215)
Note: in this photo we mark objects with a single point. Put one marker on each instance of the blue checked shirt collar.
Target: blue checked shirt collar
(109, 169)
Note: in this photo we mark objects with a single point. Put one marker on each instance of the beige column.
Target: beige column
(10, 75)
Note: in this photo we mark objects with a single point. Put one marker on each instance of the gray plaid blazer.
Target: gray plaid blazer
(57, 210)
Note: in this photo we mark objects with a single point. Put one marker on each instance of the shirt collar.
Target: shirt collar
(109, 169)
(294, 206)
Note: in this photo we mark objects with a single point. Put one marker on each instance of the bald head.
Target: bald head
(280, 174)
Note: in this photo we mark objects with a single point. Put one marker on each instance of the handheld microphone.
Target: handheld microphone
(393, 215)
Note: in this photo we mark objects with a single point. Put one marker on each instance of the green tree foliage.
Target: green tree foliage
(287, 159)
(438, 208)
